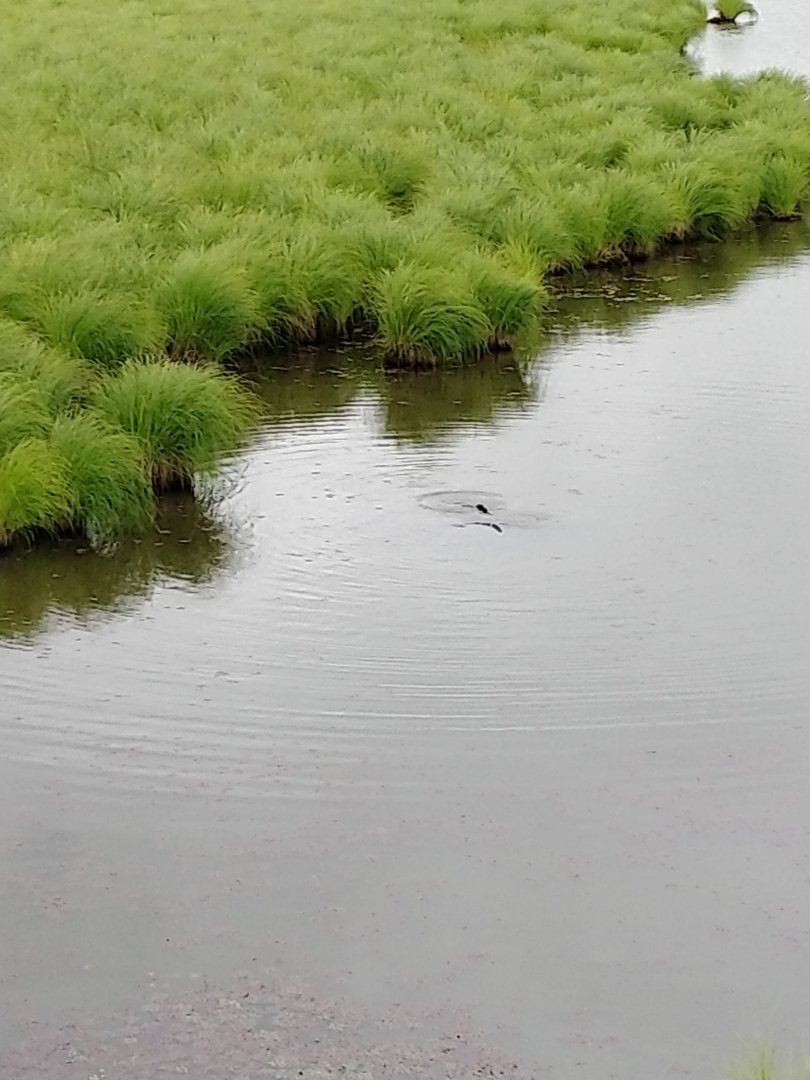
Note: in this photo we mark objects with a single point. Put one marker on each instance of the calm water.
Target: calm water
(330, 775)
(779, 39)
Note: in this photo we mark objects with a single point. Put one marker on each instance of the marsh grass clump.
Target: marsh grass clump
(426, 316)
(509, 302)
(321, 285)
(108, 485)
(184, 418)
(399, 173)
(712, 201)
(784, 187)
(728, 11)
(57, 381)
(102, 329)
(34, 491)
(207, 307)
(24, 412)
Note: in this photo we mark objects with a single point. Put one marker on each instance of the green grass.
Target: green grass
(286, 187)
(784, 186)
(24, 412)
(201, 179)
(84, 452)
(207, 305)
(185, 419)
(731, 9)
(108, 481)
(34, 491)
(426, 316)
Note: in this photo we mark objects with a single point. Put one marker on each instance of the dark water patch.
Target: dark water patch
(66, 582)
(425, 405)
(307, 384)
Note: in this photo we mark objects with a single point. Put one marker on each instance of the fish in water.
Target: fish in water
(495, 526)
(482, 508)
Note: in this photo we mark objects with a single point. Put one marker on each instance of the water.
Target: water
(331, 776)
(777, 40)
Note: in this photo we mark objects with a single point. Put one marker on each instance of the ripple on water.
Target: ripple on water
(468, 505)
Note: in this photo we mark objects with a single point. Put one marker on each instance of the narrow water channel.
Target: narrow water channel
(333, 775)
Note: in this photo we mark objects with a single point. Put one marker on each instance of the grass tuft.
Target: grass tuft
(425, 316)
(58, 381)
(784, 187)
(24, 412)
(101, 329)
(207, 306)
(730, 10)
(108, 482)
(510, 303)
(34, 491)
(185, 419)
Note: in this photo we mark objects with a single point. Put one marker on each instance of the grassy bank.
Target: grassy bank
(86, 452)
(198, 179)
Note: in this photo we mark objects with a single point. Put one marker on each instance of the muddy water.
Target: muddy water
(336, 775)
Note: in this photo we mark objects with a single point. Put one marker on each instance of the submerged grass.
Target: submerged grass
(415, 170)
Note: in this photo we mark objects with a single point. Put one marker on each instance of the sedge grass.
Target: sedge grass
(34, 491)
(59, 382)
(784, 187)
(24, 412)
(109, 492)
(426, 316)
(184, 418)
(272, 194)
(417, 169)
(730, 10)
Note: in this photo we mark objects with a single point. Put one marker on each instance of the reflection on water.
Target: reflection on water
(425, 405)
(614, 299)
(68, 579)
(310, 384)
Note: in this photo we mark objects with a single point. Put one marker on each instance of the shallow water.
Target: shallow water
(541, 790)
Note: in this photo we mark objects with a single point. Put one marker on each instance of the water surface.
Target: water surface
(332, 777)
(777, 40)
